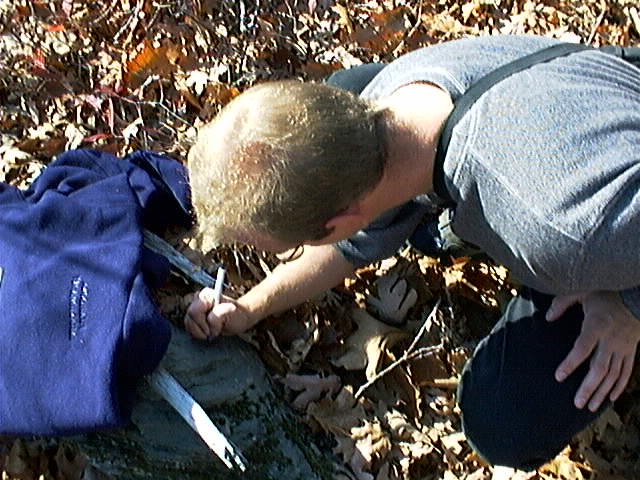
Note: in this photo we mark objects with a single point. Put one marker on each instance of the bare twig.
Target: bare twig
(182, 263)
(413, 29)
(106, 13)
(242, 16)
(133, 20)
(603, 6)
(409, 354)
(154, 104)
(635, 18)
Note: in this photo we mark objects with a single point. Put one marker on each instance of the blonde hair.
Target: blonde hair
(282, 159)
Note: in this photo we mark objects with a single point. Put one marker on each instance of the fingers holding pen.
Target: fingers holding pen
(200, 319)
(205, 320)
(196, 318)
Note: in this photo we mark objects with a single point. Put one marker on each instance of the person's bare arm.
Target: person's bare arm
(318, 269)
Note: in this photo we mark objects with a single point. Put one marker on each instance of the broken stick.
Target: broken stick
(169, 388)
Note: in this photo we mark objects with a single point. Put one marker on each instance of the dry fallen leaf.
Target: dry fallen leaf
(393, 298)
(363, 347)
(338, 415)
(372, 443)
(311, 387)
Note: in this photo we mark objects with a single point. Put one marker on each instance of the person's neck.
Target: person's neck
(416, 114)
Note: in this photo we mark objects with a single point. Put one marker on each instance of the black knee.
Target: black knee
(514, 412)
(497, 431)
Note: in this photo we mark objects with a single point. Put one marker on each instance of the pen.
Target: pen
(217, 288)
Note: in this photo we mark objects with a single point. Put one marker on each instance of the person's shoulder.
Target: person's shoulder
(453, 65)
(490, 42)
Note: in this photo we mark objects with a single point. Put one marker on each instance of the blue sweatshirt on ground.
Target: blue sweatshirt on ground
(78, 324)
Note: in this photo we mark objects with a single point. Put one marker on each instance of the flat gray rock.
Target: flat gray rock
(230, 382)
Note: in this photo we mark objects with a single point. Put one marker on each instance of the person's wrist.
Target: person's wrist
(252, 310)
(631, 300)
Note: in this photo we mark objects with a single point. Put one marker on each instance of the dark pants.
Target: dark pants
(514, 412)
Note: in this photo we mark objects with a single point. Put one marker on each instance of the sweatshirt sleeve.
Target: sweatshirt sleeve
(162, 186)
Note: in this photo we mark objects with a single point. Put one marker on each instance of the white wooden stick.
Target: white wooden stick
(169, 388)
(181, 263)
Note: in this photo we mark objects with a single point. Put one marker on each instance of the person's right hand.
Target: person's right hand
(610, 335)
(205, 322)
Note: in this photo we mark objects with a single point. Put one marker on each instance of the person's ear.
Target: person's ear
(346, 218)
(344, 224)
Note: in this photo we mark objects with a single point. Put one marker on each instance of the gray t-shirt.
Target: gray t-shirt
(544, 168)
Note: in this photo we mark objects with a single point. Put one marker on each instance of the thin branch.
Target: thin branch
(603, 6)
(106, 13)
(154, 104)
(413, 29)
(635, 18)
(409, 354)
(178, 260)
(131, 23)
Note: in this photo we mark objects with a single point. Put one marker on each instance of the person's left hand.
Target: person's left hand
(611, 333)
